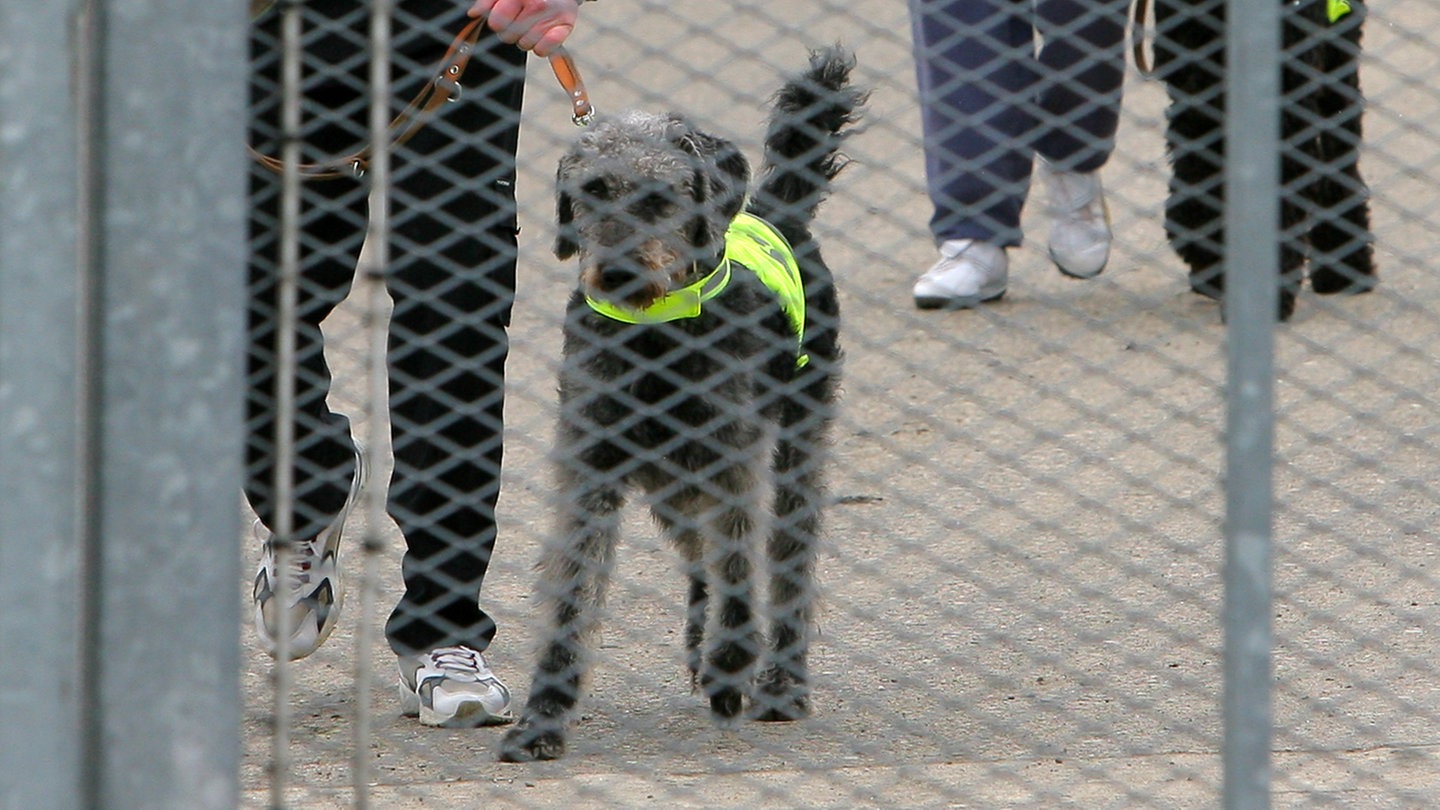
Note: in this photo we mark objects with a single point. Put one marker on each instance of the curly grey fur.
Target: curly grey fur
(710, 417)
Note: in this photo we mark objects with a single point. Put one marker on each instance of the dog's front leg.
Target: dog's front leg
(731, 534)
(1192, 68)
(675, 515)
(574, 573)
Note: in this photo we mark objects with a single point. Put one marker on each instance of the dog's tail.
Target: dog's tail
(808, 124)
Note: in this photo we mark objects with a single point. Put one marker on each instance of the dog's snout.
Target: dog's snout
(618, 277)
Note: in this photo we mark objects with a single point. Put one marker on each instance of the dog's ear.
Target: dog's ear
(567, 241)
(725, 171)
(733, 172)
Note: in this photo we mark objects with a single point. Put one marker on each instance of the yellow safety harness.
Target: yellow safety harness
(750, 242)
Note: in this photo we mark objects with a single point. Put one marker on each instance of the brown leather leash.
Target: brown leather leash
(443, 89)
(581, 111)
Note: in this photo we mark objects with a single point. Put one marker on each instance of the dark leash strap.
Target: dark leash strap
(443, 89)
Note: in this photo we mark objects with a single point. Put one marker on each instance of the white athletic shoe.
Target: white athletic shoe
(968, 274)
(310, 589)
(1079, 221)
(451, 687)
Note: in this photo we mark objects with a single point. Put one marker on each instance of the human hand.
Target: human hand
(535, 25)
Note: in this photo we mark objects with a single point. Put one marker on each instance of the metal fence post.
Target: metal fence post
(1252, 175)
(121, 424)
(373, 262)
(39, 470)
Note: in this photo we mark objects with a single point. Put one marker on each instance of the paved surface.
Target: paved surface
(1022, 576)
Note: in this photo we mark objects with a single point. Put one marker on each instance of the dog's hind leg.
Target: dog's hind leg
(782, 690)
(574, 573)
(696, 607)
(1343, 259)
(1295, 162)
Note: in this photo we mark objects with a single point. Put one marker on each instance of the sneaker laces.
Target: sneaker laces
(299, 562)
(460, 663)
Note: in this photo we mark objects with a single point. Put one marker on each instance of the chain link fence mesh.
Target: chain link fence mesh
(1020, 576)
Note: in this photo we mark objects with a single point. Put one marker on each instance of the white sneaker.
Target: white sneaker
(310, 589)
(968, 274)
(451, 687)
(1079, 222)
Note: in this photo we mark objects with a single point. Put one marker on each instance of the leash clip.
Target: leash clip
(451, 87)
(581, 111)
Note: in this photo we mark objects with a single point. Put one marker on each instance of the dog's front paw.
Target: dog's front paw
(779, 697)
(533, 739)
(726, 703)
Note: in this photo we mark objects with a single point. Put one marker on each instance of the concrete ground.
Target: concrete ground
(1022, 575)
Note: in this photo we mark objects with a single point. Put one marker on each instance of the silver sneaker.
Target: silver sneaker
(1079, 221)
(969, 273)
(310, 587)
(450, 687)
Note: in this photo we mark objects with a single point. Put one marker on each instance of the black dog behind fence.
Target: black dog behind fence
(1324, 202)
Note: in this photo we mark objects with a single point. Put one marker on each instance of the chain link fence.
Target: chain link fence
(1021, 576)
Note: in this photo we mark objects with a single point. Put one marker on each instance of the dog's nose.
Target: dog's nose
(617, 276)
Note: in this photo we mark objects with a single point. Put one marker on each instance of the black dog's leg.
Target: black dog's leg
(1302, 166)
(730, 531)
(673, 517)
(695, 610)
(783, 688)
(1343, 257)
(573, 576)
(1297, 161)
(1189, 57)
(1194, 220)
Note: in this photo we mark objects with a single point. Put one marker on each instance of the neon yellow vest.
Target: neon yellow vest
(749, 241)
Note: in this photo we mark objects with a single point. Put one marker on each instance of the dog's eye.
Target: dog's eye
(595, 190)
(652, 205)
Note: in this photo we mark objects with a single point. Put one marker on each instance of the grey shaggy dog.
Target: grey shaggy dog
(719, 414)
